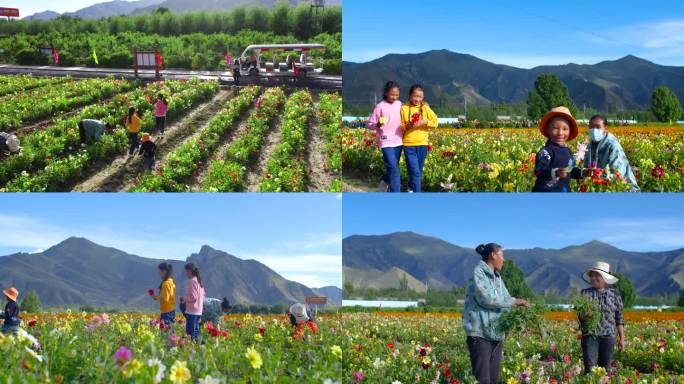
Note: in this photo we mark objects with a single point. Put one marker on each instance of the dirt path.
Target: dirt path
(256, 170)
(120, 173)
(355, 183)
(319, 178)
(231, 135)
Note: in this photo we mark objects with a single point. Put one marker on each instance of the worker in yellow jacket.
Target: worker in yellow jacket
(416, 119)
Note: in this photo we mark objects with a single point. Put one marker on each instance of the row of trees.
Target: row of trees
(549, 91)
(195, 51)
(283, 19)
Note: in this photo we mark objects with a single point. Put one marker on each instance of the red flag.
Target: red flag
(55, 56)
(160, 59)
(228, 58)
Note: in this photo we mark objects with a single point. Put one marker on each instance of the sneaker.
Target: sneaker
(384, 187)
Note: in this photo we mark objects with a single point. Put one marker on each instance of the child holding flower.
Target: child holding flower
(416, 118)
(167, 294)
(554, 164)
(386, 121)
(193, 300)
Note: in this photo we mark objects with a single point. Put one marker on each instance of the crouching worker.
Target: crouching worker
(214, 309)
(300, 318)
(11, 312)
(9, 144)
(91, 130)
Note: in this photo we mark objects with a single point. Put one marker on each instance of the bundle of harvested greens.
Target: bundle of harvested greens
(588, 313)
(523, 320)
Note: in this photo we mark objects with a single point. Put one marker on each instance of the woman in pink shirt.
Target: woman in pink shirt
(160, 109)
(386, 121)
(193, 300)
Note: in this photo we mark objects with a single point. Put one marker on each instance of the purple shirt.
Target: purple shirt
(389, 133)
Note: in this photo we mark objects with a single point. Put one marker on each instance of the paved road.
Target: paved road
(314, 81)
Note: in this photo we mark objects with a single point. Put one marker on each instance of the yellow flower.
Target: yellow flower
(258, 337)
(512, 380)
(600, 371)
(508, 187)
(336, 351)
(383, 120)
(131, 368)
(254, 358)
(180, 373)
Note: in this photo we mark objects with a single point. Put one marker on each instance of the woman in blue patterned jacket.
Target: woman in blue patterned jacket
(486, 300)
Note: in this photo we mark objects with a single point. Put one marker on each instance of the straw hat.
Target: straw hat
(298, 310)
(11, 293)
(603, 269)
(563, 112)
(13, 144)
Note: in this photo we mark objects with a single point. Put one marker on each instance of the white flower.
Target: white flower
(581, 150)
(330, 381)
(34, 354)
(160, 369)
(210, 380)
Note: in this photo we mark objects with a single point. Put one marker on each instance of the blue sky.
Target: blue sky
(634, 222)
(29, 7)
(297, 235)
(518, 33)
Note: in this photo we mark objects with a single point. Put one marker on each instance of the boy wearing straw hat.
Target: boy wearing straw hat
(597, 349)
(554, 164)
(11, 313)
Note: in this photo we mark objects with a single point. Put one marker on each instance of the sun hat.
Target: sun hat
(603, 269)
(563, 112)
(13, 144)
(146, 137)
(11, 293)
(298, 310)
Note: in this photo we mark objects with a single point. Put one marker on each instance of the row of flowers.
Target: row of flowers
(22, 83)
(329, 116)
(228, 174)
(183, 163)
(286, 169)
(60, 161)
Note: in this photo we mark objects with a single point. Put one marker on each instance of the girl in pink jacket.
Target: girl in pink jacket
(193, 300)
(160, 109)
(386, 121)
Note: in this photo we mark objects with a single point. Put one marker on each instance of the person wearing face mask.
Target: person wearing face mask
(486, 300)
(605, 150)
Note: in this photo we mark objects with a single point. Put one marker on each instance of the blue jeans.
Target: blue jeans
(192, 324)
(161, 123)
(168, 317)
(133, 141)
(391, 155)
(13, 329)
(415, 160)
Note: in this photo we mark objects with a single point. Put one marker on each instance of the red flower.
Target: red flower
(567, 359)
(150, 292)
(224, 333)
(423, 352)
(49, 157)
(583, 188)
(369, 143)
(658, 172)
(32, 323)
(429, 148)
(426, 365)
(415, 118)
(390, 345)
(447, 373)
(262, 330)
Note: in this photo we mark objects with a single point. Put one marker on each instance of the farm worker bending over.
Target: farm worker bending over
(598, 347)
(301, 317)
(605, 151)
(90, 130)
(9, 144)
(11, 312)
(486, 299)
(214, 309)
(133, 123)
(147, 151)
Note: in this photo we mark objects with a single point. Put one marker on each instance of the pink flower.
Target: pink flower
(554, 347)
(358, 376)
(122, 355)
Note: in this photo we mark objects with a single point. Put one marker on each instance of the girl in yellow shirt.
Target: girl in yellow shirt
(416, 118)
(167, 294)
(133, 123)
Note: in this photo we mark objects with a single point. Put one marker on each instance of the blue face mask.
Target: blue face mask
(596, 135)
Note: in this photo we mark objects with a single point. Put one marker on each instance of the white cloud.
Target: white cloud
(660, 38)
(362, 56)
(313, 280)
(641, 234)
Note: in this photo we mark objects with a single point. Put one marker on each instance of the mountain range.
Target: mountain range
(78, 271)
(122, 7)
(449, 77)
(443, 265)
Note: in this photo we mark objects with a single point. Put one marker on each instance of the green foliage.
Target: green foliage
(522, 320)
(31, 303)
(514, 278)
(665, 105)
(588, 313)
(549, 92)
(626, 289)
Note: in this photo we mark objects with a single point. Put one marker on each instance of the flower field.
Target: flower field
(426, 348)
(502, 160)
(210, 130)
(133, 348)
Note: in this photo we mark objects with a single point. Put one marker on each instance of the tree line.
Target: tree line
(283, 19)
